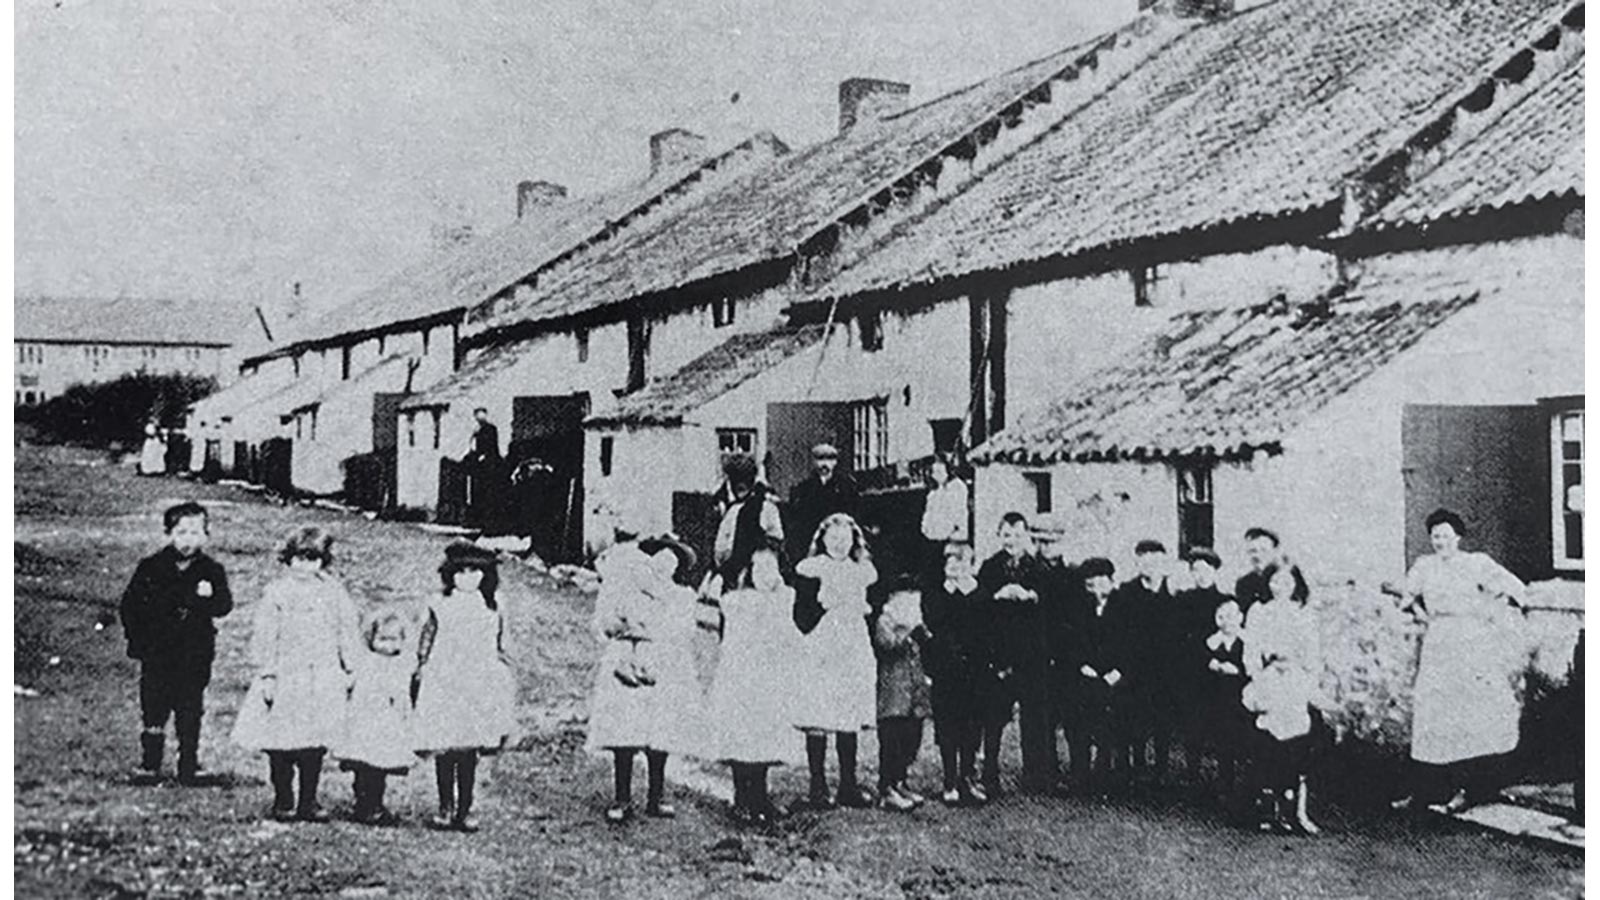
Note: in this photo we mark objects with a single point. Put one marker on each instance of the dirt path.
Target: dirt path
(83, 831)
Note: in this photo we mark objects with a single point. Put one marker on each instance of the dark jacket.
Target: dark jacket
(166, 618)
(1021, 633)
(810, 502)
(1194, 618)
(1253, 587)
(1150, 638)
(485, 443)
(1102, 639)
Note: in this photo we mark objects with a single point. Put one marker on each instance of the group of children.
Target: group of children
(815, 649)
(375, 689)
(1120, 668)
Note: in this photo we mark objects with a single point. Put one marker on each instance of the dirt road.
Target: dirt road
(83, 831)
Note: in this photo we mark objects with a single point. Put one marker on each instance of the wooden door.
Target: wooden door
(1491, 465)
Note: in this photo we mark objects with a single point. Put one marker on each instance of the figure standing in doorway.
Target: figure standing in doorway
(484, 464)
(826, 492)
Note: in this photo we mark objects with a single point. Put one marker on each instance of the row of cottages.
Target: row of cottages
(563, 357)
(318, 413)
(1171, 311)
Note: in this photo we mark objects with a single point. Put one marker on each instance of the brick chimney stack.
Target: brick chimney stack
(865, 99)
(675, 147)
(533, 195)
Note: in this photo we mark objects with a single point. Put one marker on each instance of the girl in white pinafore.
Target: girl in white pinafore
(465, 686)
(303, 646)
(377, 738)
(750, 722)
(837, 691)
(646, 695)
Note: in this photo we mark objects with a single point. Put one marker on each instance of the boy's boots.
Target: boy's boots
(188, 728)
(152, 744)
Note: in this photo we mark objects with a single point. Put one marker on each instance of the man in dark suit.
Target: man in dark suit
(484, 466)
(826, 492)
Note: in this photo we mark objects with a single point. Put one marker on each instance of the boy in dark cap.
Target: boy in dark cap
(1091, 664)
(167, 612)
(1193, 620)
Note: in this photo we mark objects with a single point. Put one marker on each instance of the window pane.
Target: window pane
(1572, 427)
(1574, 534)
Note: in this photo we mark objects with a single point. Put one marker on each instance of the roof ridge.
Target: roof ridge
(1387, 177)
(1079, 52)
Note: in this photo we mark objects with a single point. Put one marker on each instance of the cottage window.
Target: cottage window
(299, 427)
(1146, 284)
(425, 334)
(297, 365)
(382, 343)
(735, 442)
(581, 338)
(313, 423)
(1044, 501)
(946, 435)
(608, 446)
(411, 429)
(1566, 460)
(344, 363)
(722, 312)
(1196, 516)
(438, 426)
(871, 435)
(871, 326)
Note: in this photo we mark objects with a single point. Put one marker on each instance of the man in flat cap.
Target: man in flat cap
(826, 492)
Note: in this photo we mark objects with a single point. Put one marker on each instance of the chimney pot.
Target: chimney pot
(864, 99)
(674, 147)
(533, 195)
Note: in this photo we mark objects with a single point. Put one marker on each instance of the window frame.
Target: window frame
(869, 329)
(1561, 557)
(736, 436)
(869, 434)
(580, 337)
(1194, 485)
(1041, 484)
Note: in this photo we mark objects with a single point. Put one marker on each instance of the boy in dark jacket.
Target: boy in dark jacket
(1147, 599)
(1014, 583)
(964, 683)
(1092, 662)
(167, 614)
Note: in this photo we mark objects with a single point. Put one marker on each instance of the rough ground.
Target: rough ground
(83, 831)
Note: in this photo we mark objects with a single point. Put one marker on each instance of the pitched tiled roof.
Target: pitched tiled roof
(712, 374)
(1220, 383)
(478, 371)
(393, 366)
(235, 397)
(131, 320)
(467, 275)
(1260, 114)
(768, 215)
(1529, 148)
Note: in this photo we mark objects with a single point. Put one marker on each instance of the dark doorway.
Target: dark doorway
(545, 461)
(794, 428)
(1491, 464)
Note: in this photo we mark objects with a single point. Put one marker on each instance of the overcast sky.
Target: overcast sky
(228, 149)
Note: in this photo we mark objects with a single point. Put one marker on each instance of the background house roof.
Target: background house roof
(1220, 383)
(482, 368)
(1529, 147)
(768, 215)
(470, 273)
(1261, 114)
(132, 320)
(711, 375)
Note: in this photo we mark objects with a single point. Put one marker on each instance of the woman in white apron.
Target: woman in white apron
(1465, 708)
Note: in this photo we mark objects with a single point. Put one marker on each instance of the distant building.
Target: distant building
(66, 341)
